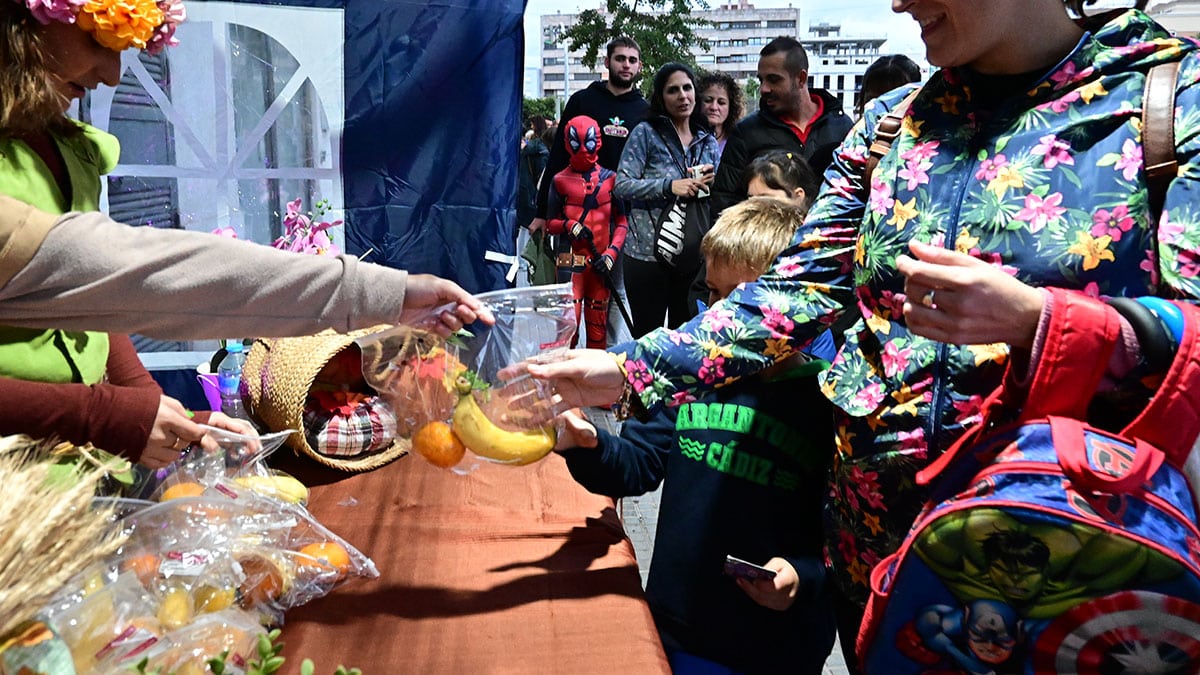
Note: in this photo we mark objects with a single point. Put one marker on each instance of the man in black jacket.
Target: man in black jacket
(790, 117)
(615, 103)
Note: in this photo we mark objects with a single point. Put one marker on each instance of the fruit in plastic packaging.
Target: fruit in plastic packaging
(175, 610)
(323, 558)
(278, 485)
(145, 566)
(265, 580)
(208, 599)
(421, 389)
(438, 444)
(186, 489)
(486, 439)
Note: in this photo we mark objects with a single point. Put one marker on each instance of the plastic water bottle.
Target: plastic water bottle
(229, 379)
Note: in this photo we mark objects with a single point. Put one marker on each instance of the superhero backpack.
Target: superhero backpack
(1049, 545)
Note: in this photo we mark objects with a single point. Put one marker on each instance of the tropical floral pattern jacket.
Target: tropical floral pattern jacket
(1047, 184)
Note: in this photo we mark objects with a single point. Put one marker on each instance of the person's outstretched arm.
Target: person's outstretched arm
(631, 464)
(85, 271)
(747, 331)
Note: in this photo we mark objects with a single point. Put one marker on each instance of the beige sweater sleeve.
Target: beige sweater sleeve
(93, 273)
(22, 229)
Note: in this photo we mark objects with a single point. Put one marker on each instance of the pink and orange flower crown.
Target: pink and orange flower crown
(117, 24)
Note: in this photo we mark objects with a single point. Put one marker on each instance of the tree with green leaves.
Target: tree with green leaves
(665, 30)
(545, 107)
(751, 90)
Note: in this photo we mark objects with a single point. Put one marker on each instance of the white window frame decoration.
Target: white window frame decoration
(201, 108)
(210, 157)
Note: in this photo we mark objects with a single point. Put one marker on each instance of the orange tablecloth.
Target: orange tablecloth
(503, 570)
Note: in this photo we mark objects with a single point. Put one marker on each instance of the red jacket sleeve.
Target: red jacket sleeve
(124, 368)
(112, 416)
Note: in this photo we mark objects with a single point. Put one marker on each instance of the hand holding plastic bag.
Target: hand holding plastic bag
(447, 394)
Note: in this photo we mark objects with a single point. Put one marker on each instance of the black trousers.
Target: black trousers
(657, 293)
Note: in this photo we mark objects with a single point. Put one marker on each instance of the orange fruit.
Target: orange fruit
(145, 566)
(438, 444)
(327, 556)
(178, 490)
(264, 580)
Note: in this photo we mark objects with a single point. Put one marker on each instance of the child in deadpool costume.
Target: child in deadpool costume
(582, 208)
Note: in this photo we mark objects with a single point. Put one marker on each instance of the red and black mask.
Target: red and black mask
(582, 138)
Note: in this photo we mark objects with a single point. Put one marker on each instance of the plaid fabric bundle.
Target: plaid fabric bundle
(346, 424)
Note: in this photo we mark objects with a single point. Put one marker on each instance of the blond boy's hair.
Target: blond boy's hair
(752, 234)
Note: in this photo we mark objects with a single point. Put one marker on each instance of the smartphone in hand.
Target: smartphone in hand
(736, 567)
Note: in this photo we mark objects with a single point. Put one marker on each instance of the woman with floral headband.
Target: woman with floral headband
(79, 386)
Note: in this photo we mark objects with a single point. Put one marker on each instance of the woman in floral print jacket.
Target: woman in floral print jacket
(1019, 166)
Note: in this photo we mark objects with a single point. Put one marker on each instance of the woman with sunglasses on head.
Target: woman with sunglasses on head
(656, 167)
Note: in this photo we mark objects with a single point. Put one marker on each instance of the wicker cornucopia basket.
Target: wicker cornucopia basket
(277, 378)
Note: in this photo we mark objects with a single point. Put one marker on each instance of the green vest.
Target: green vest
(56, 355)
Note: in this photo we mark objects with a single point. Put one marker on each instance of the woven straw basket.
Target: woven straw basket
(277, 378)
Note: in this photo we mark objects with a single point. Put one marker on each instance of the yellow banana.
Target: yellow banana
(487, 440)
(280, 486)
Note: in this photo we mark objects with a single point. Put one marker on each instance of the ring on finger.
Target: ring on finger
(927, 299)
(177, 444)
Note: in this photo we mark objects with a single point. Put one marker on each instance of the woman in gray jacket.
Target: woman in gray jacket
(657, 165)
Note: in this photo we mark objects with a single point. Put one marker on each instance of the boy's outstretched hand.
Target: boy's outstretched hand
(575, 431)
(581, 377)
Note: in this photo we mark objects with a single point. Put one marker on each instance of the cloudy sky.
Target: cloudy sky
(857, 17)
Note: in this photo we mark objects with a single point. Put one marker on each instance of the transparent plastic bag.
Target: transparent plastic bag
(447, 394)
(239, 460)
(193, 556)
(113, 623)
(231, 632)
(105, 619)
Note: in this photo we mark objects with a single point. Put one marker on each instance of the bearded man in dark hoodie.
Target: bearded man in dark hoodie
(618, 106)
(790, 117)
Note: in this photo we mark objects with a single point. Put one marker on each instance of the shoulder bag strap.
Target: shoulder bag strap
(1158, 134)
(886, 133)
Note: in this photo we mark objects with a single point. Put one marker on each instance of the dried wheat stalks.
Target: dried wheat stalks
(48, 533)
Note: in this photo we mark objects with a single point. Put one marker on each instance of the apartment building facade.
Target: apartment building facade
(736, 35)
(1178, 16)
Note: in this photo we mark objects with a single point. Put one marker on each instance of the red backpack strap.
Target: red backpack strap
(1171, 420)
(992, 408)
(1080, 339)
(887, 130)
